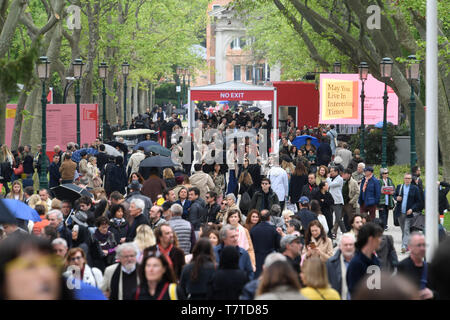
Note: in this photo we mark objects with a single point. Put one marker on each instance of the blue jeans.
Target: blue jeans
(405, 225)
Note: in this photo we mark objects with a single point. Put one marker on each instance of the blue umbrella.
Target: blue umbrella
(301, 141)
(159, 150)
(20, 210)
(380, 124)
(146, 144)
(76, 156)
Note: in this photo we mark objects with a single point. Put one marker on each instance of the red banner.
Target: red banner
(232, 95)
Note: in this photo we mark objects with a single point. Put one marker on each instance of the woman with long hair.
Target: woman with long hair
(234, 218)
(315, 208)
(169, 178)
(16, 191)
(157, 279)
(321, 174)
(219, 181)
(316, 242)
(144, 238)
(197, 274)
(315, 276)
(298, 179)
(253, 218)
(279, 281)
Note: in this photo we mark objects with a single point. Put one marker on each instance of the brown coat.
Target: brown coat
(153, 186)
(67, 169)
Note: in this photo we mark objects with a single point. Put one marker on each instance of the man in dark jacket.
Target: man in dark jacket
(229, 237)
(305, 215)
(198, 210)
(135, 193)
(265, 198)
(28, 161)
(265, 240)
(102, 158)
(324, 152)
(369, 193)
(342, 258)
(409, 200)
(55, 176)
(310, 187)
(415, 268)
(369, 239)
(136, 210)
(211, 206)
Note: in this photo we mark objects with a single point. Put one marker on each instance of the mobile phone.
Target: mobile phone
(312, 245)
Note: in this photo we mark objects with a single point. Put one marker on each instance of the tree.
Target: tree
(344, 25)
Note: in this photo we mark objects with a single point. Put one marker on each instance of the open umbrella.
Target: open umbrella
(301, 141)
(158, 162)
(110, 150)
(6, 216)
(76, 156)
(159, 150)
(122, 146)
(70, 192)
(20, 210)
(146, 144)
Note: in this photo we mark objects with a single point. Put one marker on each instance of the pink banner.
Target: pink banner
(373, 102)
(62, 124)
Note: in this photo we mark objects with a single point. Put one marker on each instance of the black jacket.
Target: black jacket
(102, 159)
(335, 272)
(119, 230)
(140, 219)
(308, 190)
(197, 289)
(296, 187)
(414, 201)
(325, 205)
(212, 211)
(197, 212)
(258, 202)
(324, 154)
(265, 240)
(306, 217)
(226, 284)
(443, 201)
(408, 269)
(54, 175)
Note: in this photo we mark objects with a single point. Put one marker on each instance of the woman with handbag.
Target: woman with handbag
(387, 197)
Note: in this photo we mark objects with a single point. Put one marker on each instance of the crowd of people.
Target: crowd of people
(297, 223)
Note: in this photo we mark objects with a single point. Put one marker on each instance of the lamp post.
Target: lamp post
(103, 71)
(412, 73)
(77, 73)
(125, 71)
(178, 86)
(363, 72)
(386, 71)
(188, 87)
(184, 92)
(337, 67)
(43, 69)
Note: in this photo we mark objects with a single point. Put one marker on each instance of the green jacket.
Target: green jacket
(391, 197)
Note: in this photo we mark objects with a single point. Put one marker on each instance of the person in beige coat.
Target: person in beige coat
(201, 180)
(135, 160)
(350, 192)
(317, 243)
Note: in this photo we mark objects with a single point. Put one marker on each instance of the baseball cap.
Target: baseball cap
(368, 169)
(288, 240)
(304, 200)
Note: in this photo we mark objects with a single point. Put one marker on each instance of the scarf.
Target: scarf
(118, 222)
(116, 284)
(166, 253)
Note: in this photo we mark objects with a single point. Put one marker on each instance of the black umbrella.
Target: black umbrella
(6, 215)
(158, 162)
(122, 146)
(70, 191)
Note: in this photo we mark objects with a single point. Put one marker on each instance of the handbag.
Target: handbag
(19, 170)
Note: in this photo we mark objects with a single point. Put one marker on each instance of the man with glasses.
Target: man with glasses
(265, 198)
(212, 207)
(408, 201)
(415, 267)
(120, 280)
(387, 199)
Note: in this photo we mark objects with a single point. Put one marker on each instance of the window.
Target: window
(249, 73)
(238, 43)
(237, 72)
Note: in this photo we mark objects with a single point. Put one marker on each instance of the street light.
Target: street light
(77, 73)
(412, 73)
(179, 71)
(363, 72)
(43, 69)
(386, 71)
(125, 71)
(183, 100)
(189, 85)
(103, 72)
(337, 67)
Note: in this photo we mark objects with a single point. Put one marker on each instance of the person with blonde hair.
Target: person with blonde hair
(169, 178)
(56, 204)
(16, 191)
(144, 238)
(315, 277)
(6, 157)
(33, 200)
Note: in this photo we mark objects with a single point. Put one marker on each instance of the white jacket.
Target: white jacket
(279, 182)
(135, 161)
(336, 189)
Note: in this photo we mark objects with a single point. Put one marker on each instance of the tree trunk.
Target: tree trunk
(9, 27)
(27, 125)
(135, 100)
(142, 100)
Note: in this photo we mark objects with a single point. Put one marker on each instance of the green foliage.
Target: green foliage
(165, 92)
(19, 70)
(373, 145)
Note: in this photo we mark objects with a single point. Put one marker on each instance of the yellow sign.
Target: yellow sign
(10, 113)
(340, 99)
